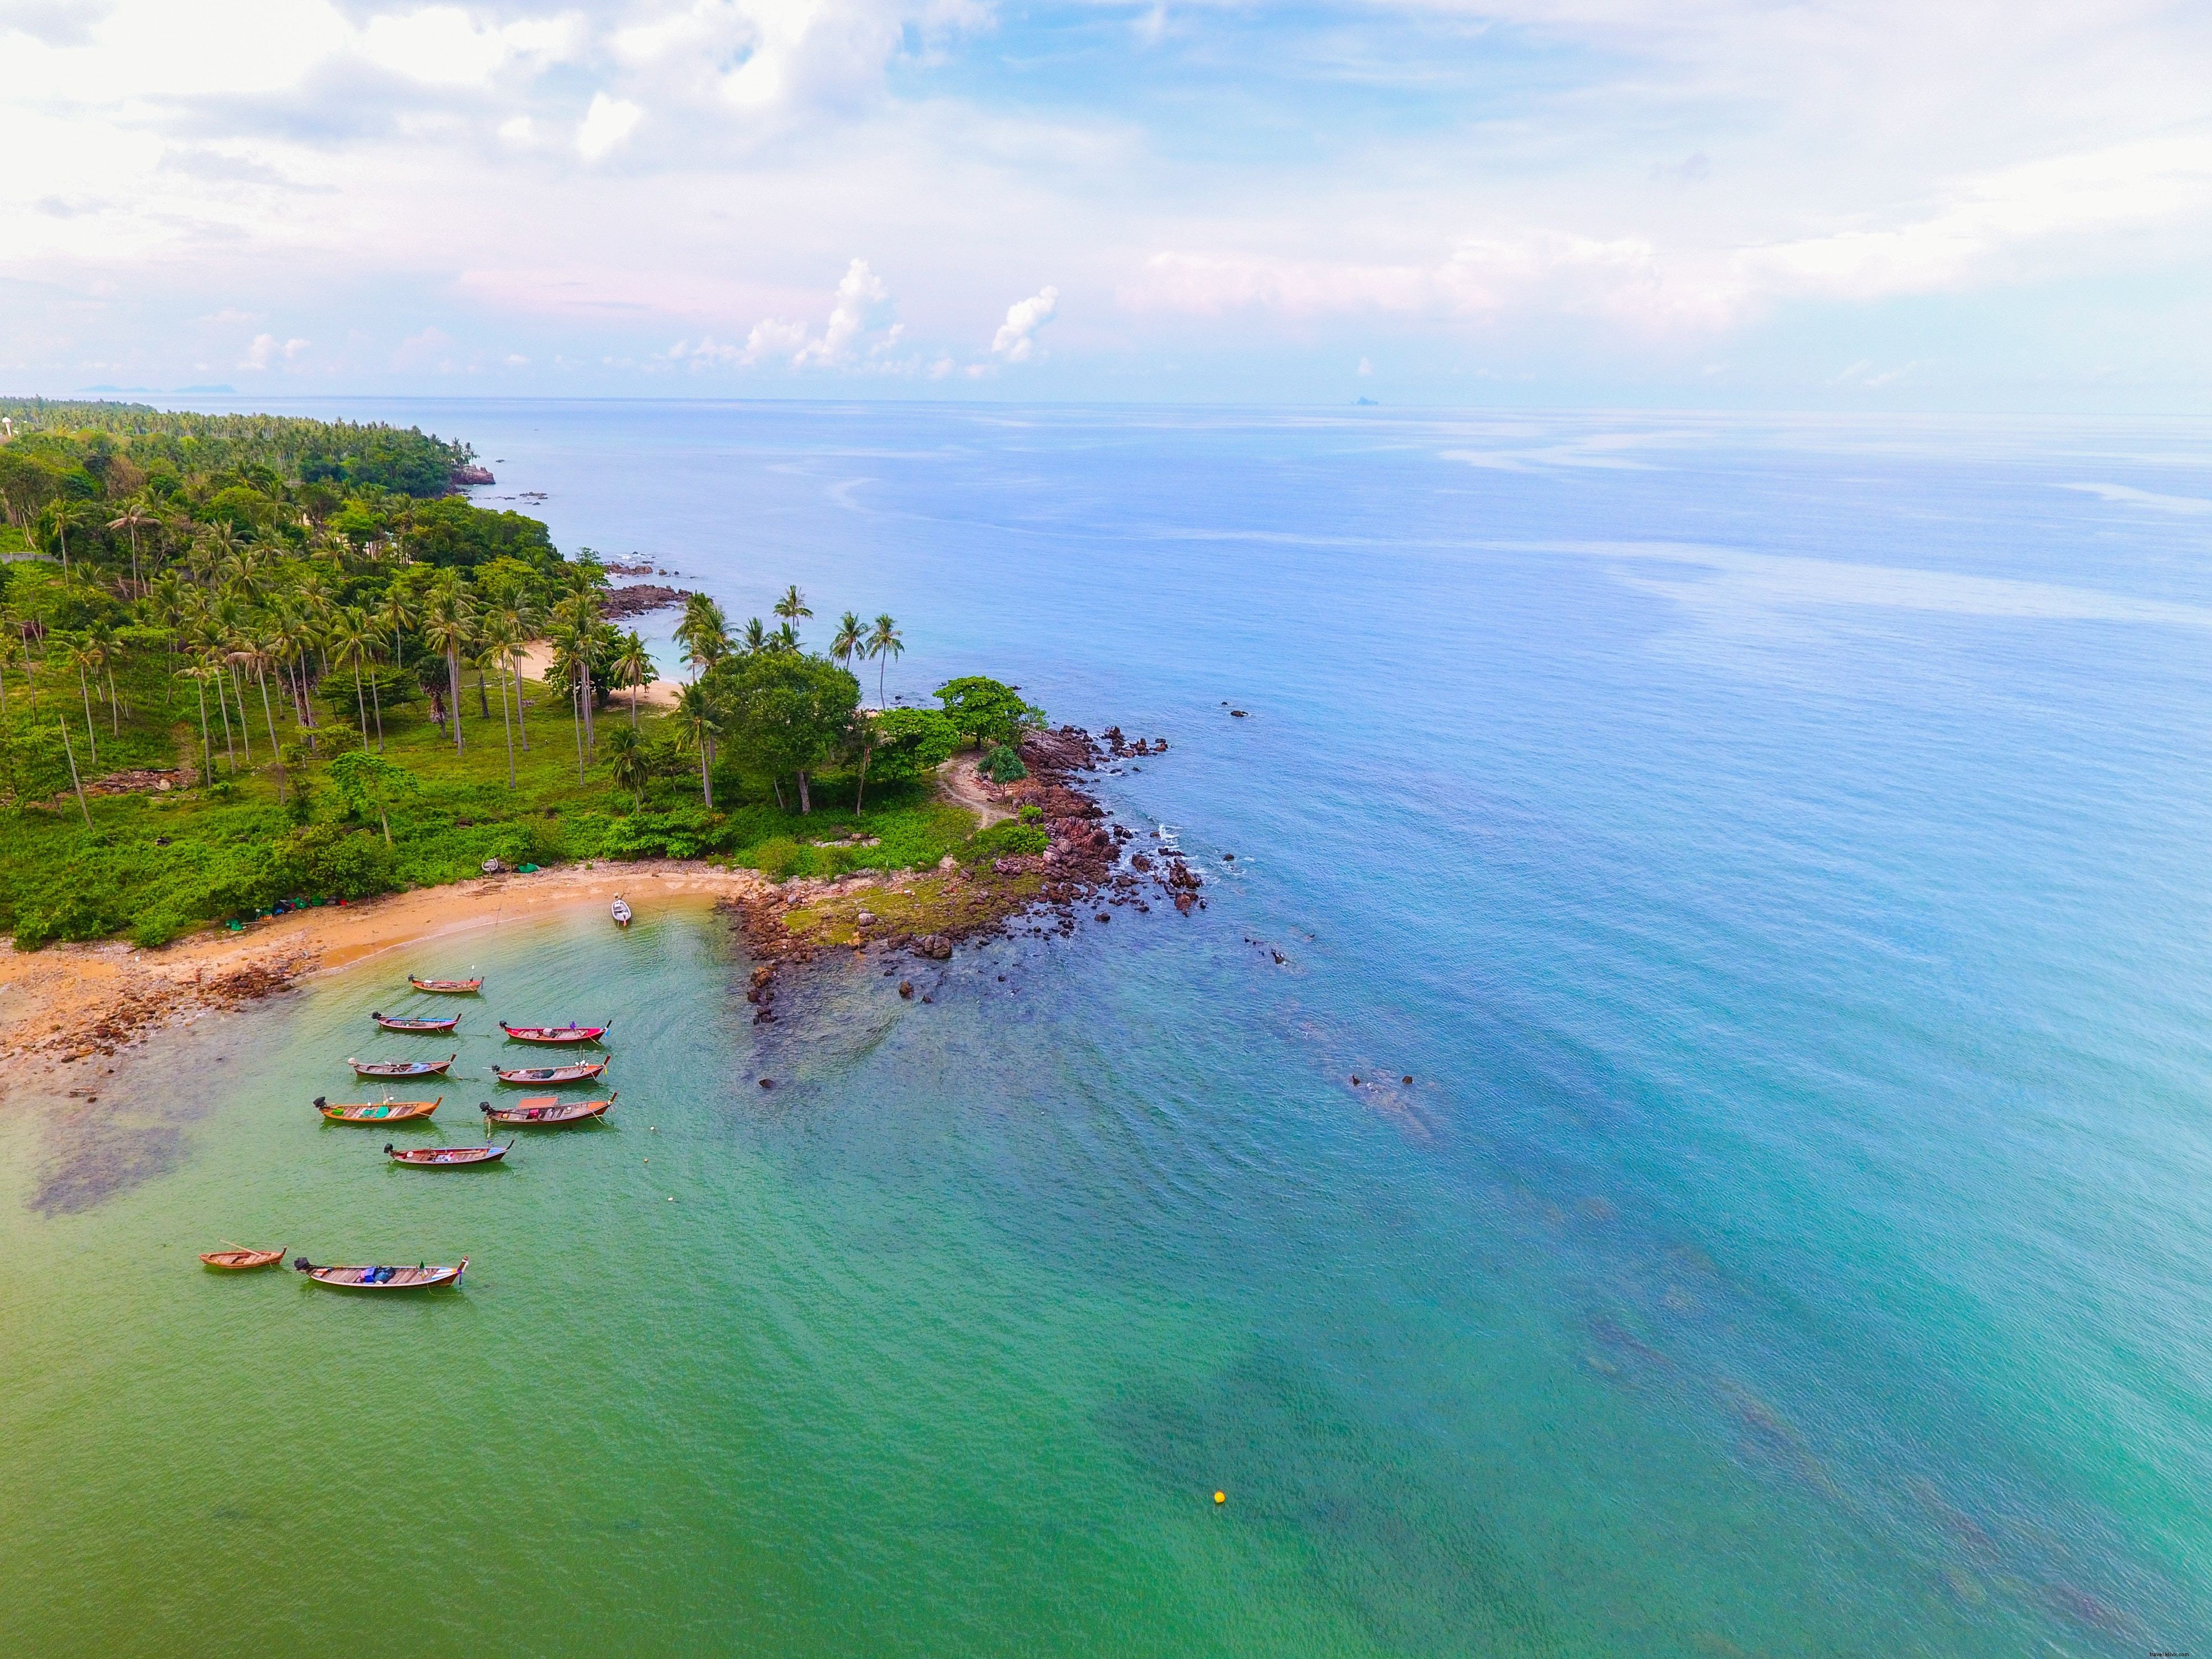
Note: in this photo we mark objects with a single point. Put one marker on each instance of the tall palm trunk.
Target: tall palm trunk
(245, 725)
(207, 744)
(229, 749)
(521, 718)
(376, 700)
(275, 749)
(483, 698)
(576, 720)
(453, 679)
(509, 725)
(868, 754)
(91, 735)
(360, 703)
(114, 707)
(706, 779)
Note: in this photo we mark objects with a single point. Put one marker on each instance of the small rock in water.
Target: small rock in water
(906, 987)
(768, 1083)
(1239, 715)
(1405, 1079)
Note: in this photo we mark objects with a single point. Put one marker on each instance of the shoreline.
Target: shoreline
(71, 1003)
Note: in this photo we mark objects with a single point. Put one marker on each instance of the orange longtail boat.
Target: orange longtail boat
(451, 987)
(238, 1261)
(380, 1111)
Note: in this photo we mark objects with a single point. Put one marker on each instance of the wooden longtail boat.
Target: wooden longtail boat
(400, 1067)
(421, 1277)
(545, 1109)
(582, 1072)
(402, 1023)
(445, 1158)
(446, 986)
(240, 1260)
(381, 1111)
(553, 1033)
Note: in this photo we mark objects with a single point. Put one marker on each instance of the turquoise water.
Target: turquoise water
(1773, 849)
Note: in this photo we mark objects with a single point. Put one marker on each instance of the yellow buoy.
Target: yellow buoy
(1221, 1498)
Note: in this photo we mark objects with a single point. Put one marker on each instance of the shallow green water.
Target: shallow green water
(1780, 866)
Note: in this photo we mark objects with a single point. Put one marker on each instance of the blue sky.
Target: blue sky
(1702, 203)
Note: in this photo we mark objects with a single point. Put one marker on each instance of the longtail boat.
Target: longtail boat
(446, 986)
(444, 1158)
(621, 911)
(545, 1109)
(381, 1111)
(553, 1033)
(400, 1067)
(420, 1276)
(582, 1072)
(402, 1023)
(240, 1260)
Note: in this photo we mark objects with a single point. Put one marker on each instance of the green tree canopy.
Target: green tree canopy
(788, 712)
(988, 712)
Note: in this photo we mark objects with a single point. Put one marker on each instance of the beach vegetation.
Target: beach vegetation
(987, 713)
(247, 641)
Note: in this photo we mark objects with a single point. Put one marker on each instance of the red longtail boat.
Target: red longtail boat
(553, 1033)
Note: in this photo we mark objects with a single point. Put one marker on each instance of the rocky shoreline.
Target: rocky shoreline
(1092, 865)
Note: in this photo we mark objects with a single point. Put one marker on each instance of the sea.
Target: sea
(1681, 1128)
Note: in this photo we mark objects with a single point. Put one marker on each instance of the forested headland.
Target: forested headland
(248, 661)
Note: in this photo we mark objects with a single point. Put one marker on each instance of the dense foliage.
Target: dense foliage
(244, 660)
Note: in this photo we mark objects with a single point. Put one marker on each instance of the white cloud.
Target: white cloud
(265, 348)
(607, 124)
(1365, 367)
(1016, 340)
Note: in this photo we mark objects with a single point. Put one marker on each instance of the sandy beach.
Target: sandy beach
(537, 661)
(68, 1003)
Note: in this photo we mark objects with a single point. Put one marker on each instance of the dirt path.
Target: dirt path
(68, 1002)
(959, 783)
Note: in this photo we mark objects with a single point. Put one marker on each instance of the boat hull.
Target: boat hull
(363, 1276)
(556, 1035)
(401, 1067)
(379, 1111)
(447, 987)
(420, 1027)
(538, 1076)
(239, 1261)
(545, 1112)
(445, 1158)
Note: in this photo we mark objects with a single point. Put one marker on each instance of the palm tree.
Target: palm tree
(786, 638)
(352, 645)
(703, 633)
(634, 668)
(852, 640)
(106, 648)
(397, 614)
(883, 641)
(446, 623)
(135, 512)
(515, 623)
(791, 607)
(211, 666)
(198, 675)
(571, 667)
(632, 767)
(85, 657)
(755, 639)
(59, 517)
(698, 719)
(499, 645)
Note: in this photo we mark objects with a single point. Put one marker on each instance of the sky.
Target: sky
(1907, 204)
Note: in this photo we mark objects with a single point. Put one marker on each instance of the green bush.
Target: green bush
(1012, 839)
(330, 860)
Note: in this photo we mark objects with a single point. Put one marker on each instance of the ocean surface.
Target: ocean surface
(1755, 869)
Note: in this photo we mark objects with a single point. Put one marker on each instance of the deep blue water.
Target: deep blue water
(1775, 849)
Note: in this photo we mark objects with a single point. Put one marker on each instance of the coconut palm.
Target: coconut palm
(786, 638)
(703, 633)
(447, 620)
(883, 642)
(698, 718)
(60, 519)
(516, 624)
(851, 640)
(791, 607)
(396, 615)
(572, 666)
(634, 668)
(211, 671)
(353, 645)
(498, 643)
(755, 638)
(137, 512)
(105, 648)
(84, 656)
(197, 674)
(629, 761)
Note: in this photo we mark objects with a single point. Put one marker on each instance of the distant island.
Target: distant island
(253, 665)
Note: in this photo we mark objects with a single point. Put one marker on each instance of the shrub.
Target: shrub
(1003, 764)
(328, 859)
(1012, 839)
